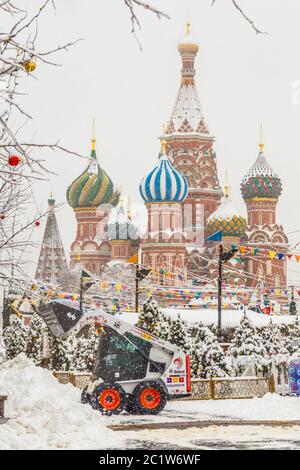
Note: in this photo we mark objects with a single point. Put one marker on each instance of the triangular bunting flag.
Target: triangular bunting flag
(134, 259)
(215, 237)
(272, 254)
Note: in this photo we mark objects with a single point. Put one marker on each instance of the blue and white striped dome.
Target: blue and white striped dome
(164, 183)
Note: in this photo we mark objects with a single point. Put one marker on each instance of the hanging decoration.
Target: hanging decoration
(14, 160)
(29, 66)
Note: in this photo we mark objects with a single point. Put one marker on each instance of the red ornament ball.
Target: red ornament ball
(14, 160)
(37, 223)
(2, 216)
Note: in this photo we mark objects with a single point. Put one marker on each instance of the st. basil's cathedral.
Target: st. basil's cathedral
(185, 205)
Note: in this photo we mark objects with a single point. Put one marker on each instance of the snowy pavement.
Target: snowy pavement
(44, 414)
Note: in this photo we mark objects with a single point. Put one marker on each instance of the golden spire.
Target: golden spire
(129, 209)
(188, 27)
(261, 145)
(163, 144)
(93, 137)
(226, 187)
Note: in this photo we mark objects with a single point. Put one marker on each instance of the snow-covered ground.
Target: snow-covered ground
(44, 414)
(230, 318)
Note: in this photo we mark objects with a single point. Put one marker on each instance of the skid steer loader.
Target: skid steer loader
(133, 370)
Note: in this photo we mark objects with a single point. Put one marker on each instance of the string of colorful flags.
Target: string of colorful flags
(244, 250)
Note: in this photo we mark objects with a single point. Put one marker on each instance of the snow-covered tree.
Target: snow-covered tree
(62, 353)
(178, 334)
(84, 354)
(207, 356)
(37, 331)
(291, 334)
(149, 317)
(15, 337)
(247, 343)
(2, 349)
(276, 345)
(162, 327)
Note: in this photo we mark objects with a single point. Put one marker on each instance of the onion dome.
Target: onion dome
(188, 42)
(261, 181)
(93, 187)
(227, 219)
(120, 225)
(51, 200)
(164, 183)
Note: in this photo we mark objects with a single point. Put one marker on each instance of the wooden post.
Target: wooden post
(2, 400)
(212, 386)
(271, 384)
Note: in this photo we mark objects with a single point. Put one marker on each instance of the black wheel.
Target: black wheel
(108, 398)
(85, 397)
(149, 398)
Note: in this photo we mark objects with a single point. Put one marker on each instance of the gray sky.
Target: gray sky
(242, 79)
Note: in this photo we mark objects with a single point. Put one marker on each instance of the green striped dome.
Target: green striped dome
(93, 187)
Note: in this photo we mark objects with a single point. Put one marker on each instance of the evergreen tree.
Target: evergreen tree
(2, 349)
(37, 330)
(15, 337)
(293, 305)
(276, 345)
(162, 327)
(178, 334)
(247, 342)
(85, 351)
(150, 315)
(62, 351)
(207, 356)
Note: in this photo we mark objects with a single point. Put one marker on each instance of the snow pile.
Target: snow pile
(45, 414)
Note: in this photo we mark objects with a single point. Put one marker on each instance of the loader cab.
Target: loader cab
(117, 359)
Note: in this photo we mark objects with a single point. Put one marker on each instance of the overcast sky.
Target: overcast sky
(242, 79)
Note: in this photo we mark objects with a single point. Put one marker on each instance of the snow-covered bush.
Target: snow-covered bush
(15, 337)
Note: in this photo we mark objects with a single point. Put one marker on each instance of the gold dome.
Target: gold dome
(188, 42)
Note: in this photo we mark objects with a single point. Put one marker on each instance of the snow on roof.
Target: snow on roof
(225, 211)
(230, 318)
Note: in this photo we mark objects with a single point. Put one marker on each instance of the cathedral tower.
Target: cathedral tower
(163, 248)
(52, 265)
(122, 233)
(190, 146)
(261, 188)
(92, 196)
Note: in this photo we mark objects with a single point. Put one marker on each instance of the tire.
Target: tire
(149, 398)
(109, 398)
(85, 397)
(129, 406)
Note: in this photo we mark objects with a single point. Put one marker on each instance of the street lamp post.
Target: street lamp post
(223, 257)
(220, 252)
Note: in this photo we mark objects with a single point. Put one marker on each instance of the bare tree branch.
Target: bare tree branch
(246, 17)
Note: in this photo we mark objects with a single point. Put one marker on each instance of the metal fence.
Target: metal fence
(230, 388)
(202, 389)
